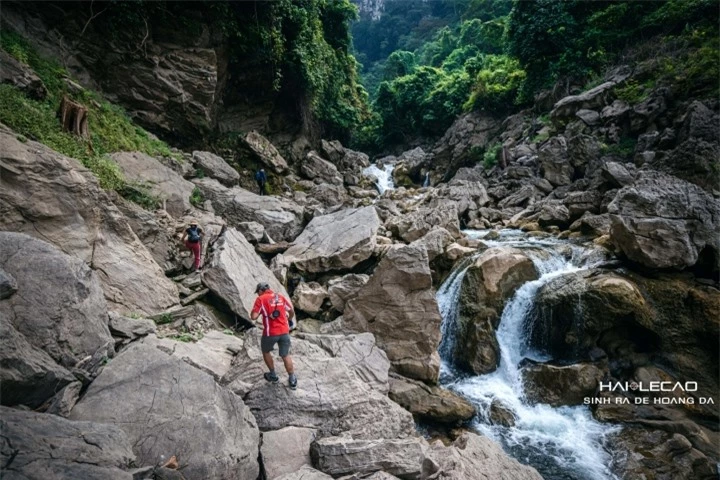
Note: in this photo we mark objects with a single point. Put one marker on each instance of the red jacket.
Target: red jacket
(266, 304)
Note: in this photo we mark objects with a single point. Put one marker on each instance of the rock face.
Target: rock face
(164, 183)
(282, 219)
(59, 306)
(416, 224)
(71, 211)
(432, 403)
(234, 271)
(468, 131)
(488, 284)
(315, 168)
(341, 455)
(309, 297)
(398, 305)
(217, 168)
(473, 457)
(38, 445)
(435, 242)
(561, 385)
(286, 450)
(21, 76)
(157, 399)
(265, 152)
(337, 241)
(330, 396)
(345, 288)
(664, 222)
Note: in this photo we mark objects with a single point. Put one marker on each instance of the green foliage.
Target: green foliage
(197, 198)
(185, 337)
(228, 331)
(490, 156)
(139, 193)
(496, 85)
(624, 148)
(633, 92)
(163, 319)
(110, 128)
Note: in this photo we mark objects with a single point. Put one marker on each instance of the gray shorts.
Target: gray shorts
(267, 344)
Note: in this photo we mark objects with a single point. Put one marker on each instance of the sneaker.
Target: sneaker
(271, 377)
(292, 381)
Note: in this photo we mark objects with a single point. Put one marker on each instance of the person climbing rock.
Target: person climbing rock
(261, 178)
(277, 314)
(193, 241)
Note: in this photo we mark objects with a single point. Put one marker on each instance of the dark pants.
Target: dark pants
(261, 186)
(267, 344)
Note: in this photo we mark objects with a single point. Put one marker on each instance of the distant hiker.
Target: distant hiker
(193, 241)
(277, 313)
(261, 178)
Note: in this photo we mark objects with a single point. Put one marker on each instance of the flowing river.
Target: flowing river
(383, 175)
(563, 443)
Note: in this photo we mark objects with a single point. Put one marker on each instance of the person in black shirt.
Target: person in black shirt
(193, 241)
(261, 178)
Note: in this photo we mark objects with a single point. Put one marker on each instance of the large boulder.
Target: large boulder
(593, 99)
(286, 450)
(555, 164)
(488, 284)
(398, 305)
(172, 189)
(330, 397)
(342, 455)
(282, 219)
(417, 223)
(319, 170)
(39, 446)
(234, 270)
(559, 385)
(215, 167)
(430, 402)
(71, 211)
(472, 457)
(265, 152)
(435, 242)
(166, 407)
(342, 289)
(59, 306)
(466, 195)
(664, 222)
(468, 132)
(21, 76)
(309, 297)
(337, 241)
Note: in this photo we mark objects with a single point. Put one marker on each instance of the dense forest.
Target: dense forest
(424, 63)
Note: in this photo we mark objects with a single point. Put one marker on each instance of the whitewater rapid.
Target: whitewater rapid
(383, 175)
(563, 443)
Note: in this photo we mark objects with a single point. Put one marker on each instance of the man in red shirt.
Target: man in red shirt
(277, 312)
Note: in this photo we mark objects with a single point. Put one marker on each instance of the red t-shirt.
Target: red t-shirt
(266, 304)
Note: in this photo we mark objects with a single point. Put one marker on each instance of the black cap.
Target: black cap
(262, 286)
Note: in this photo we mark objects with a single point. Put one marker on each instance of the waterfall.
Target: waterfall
(563, 443)
(383, 175)
(426, 182)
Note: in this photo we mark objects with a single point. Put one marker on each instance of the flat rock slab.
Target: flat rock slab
(42, 446)
(166, 407)
(216, 167)
(286, 450)
(337, 241)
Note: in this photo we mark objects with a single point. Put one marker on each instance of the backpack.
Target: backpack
(193, 235)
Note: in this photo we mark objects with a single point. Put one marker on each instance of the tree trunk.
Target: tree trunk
(74, 118)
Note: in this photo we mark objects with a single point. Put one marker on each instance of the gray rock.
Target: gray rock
(8, 285)
(217, 168)
(590, 117)
(553, 212)
(435, 242)
(558, 385)
(398, 305)
(359, 351)
(340, 455)
(345, 288)
(315, 168)
(466, 195)
(234, 271)
(64, 401)
(579, 203)
(472, 457)
(617, 174)
(309, 297)
(554, 162)
(71, 211)
(281, 218)
(38, 446)
(595, 225)
(329, 195)
(431, 403)
(286, 451)
(158, 400)
(252, 231)
(304, 473)
(467, 131)
(265, 152)
(60, 306)
(164, 183)
(417, 223)
(501, 415)
(594, 99)
(520, 198)
(21, 76)
(130, 328)
(664, 222)
(330, 397)
(616, 111)
(338, 241)
(332, 150)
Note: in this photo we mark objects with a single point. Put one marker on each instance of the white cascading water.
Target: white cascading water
(383, 175)
(562, 443)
